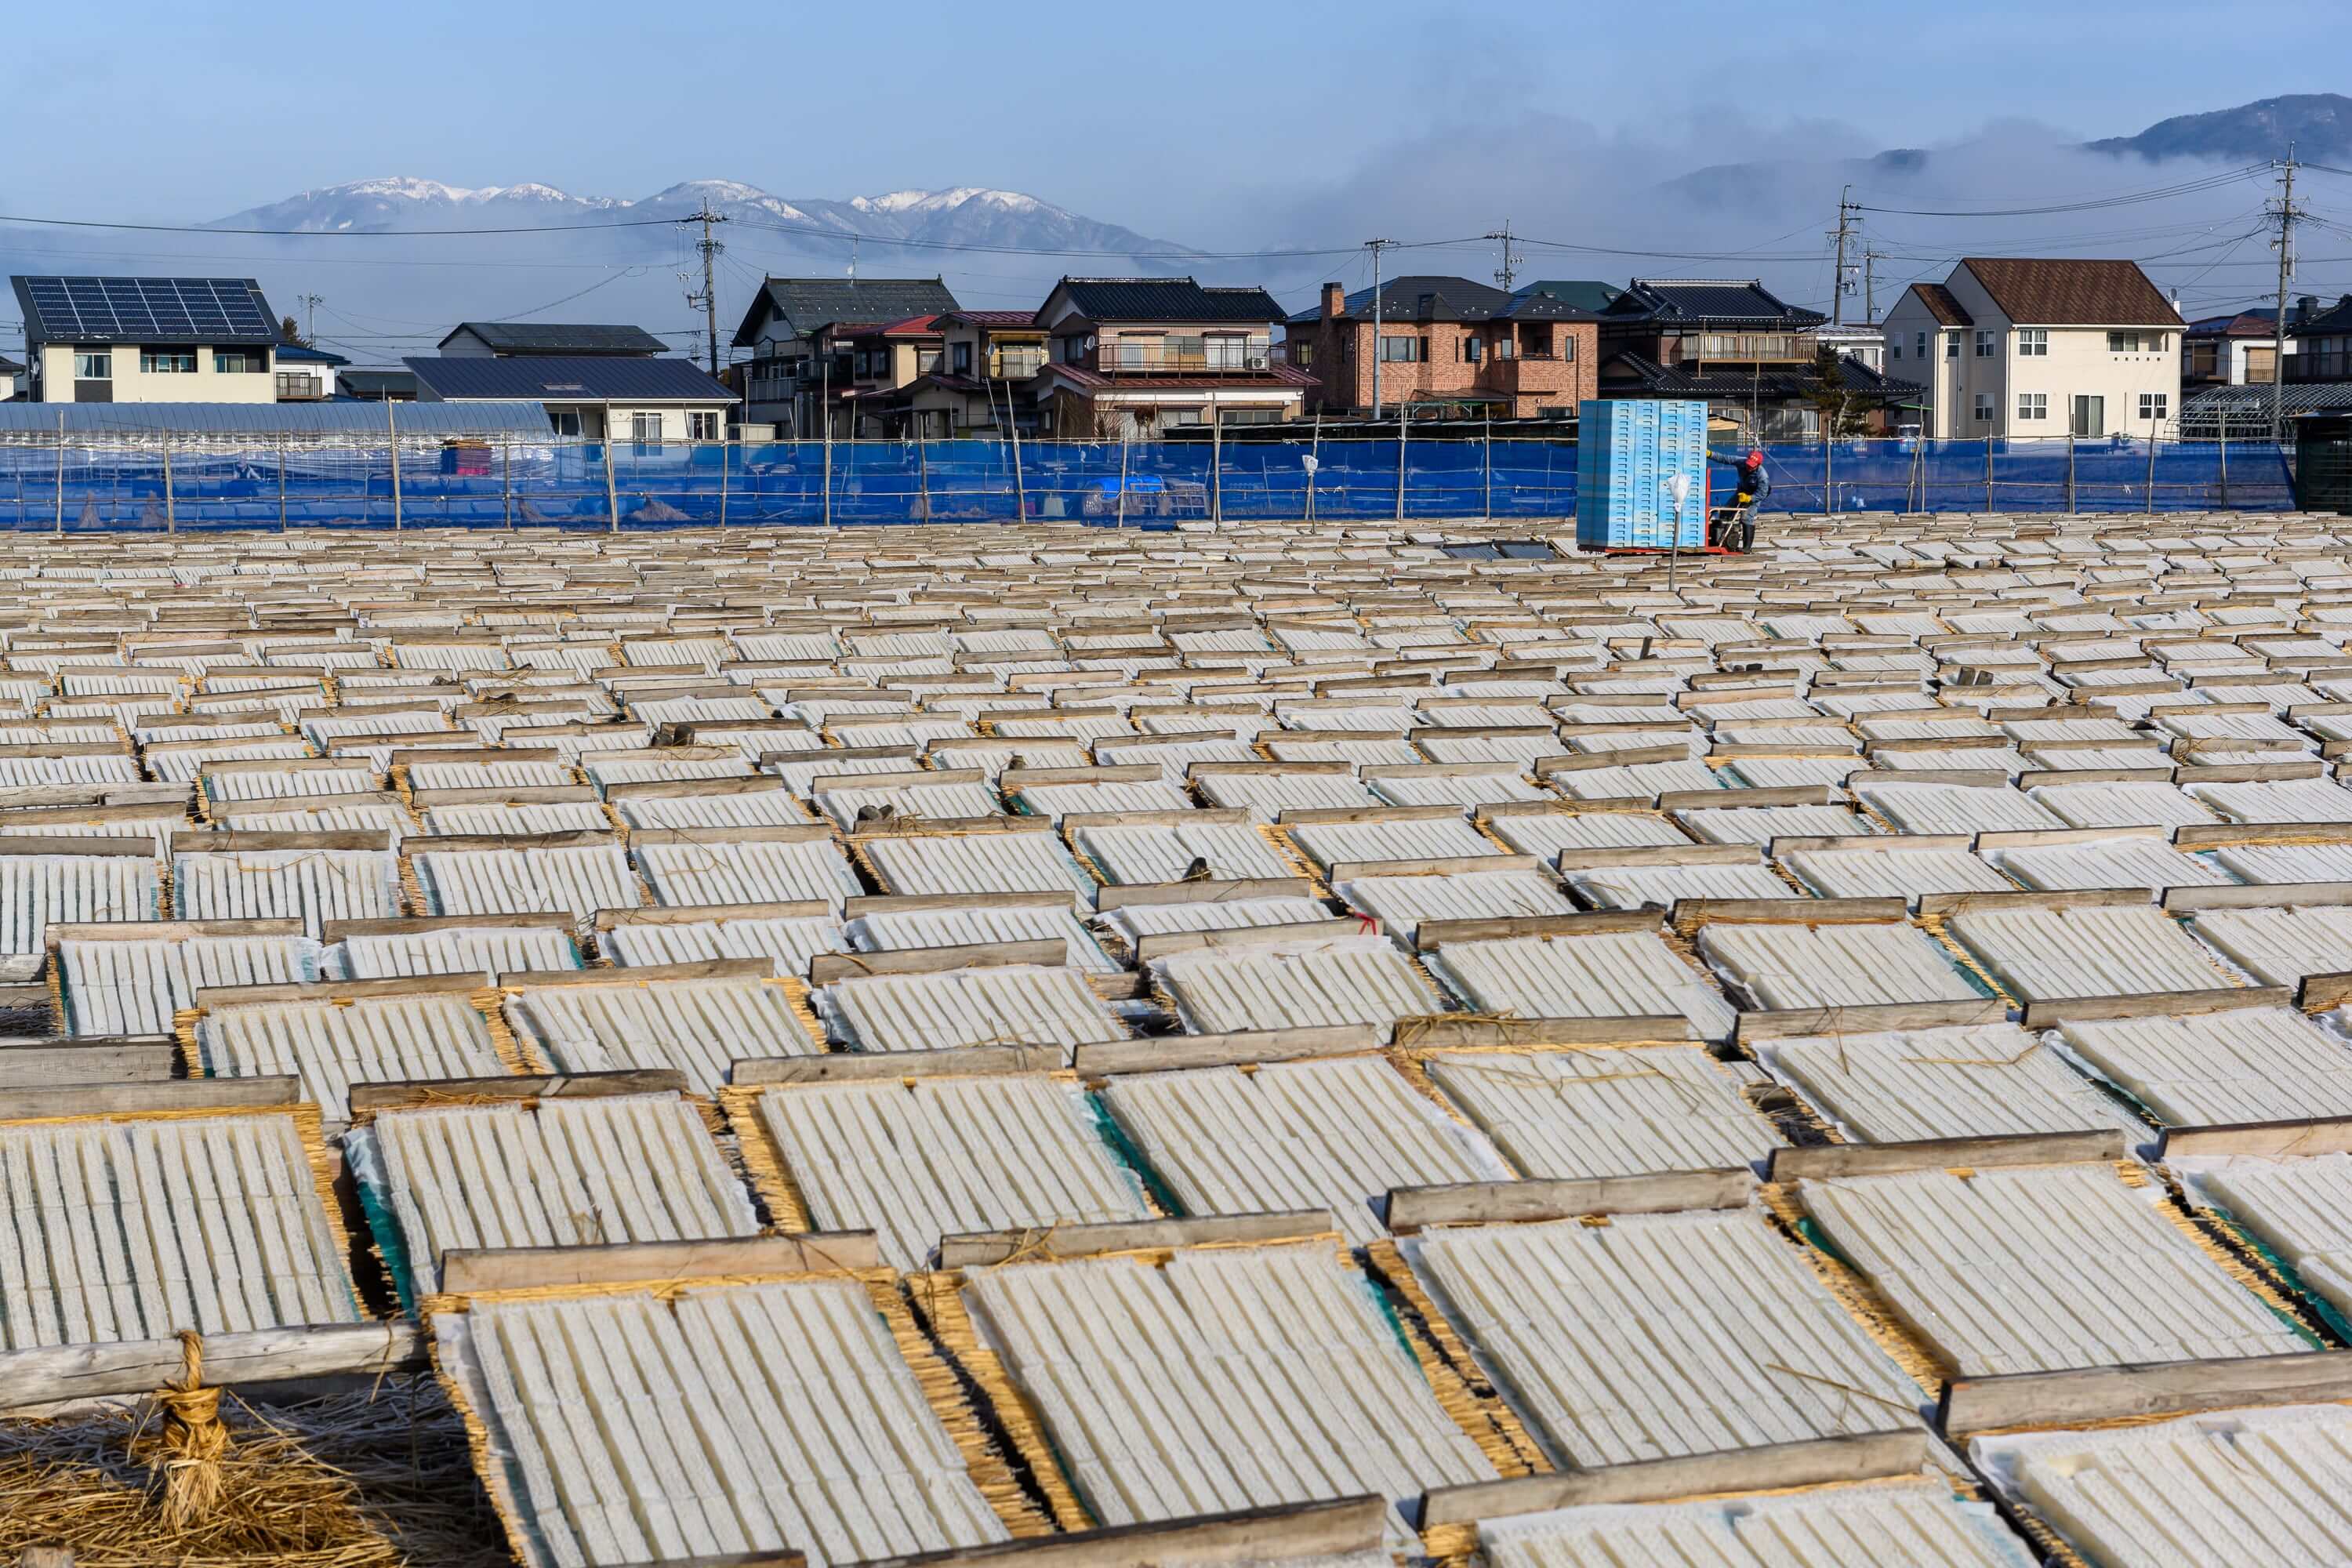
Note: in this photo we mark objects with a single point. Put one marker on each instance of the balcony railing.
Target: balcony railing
(296, 387)
(1746, 348)
(1015, 365)
(1183, 356)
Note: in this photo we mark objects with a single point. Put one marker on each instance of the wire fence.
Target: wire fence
(119, 484)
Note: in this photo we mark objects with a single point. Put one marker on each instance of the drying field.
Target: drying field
(934, 1040)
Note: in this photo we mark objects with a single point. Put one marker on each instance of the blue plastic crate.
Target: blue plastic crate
(1627, 451)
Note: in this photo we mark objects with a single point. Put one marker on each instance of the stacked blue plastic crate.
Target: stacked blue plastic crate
(1626, 453)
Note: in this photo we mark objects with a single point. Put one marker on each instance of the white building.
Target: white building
(2021, 347)
(148, 340)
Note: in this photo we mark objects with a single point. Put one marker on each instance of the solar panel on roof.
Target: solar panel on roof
(129, 310)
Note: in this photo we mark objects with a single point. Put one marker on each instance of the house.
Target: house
(148, 340)
(983, 357)
(1447, 346)
(2236, 350)
(783, 379)
(11, 379)
(503, 340)
(376, 383)
(861, 368)
(1863, 341)
(2023, 346)
(306, 374)
(1132, 357)
(588, 395)
(1753, 357)
(2320, 343)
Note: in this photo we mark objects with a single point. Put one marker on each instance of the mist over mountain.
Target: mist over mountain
(2315, 125)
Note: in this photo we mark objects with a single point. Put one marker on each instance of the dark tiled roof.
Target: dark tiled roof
(1166, 300)
(1432, 297)
(2336, 318)
(559, 338)
(303, 353)
(807, 303)
(9, 366)
(1774, 386)
(1943, 304)
(568, 378)
(991, 318)
(2257, 322)
(1672, 301)
(1575, 296)
(2070, 292)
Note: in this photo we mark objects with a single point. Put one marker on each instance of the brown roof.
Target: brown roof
(2064, 292)
(1942, 304)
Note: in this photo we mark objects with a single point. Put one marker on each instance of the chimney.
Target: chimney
(1335, 300)
(2304, 304)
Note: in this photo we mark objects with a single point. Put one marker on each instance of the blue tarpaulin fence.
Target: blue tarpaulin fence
(85, 486)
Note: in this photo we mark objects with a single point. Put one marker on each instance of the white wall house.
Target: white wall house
(590, 396)
(148, 340)
(2024, 348)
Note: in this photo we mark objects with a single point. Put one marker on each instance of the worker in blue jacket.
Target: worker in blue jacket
(1749, 488)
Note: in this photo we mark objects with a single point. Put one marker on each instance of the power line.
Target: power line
(2127, 198)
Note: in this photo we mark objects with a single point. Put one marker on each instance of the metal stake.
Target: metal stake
(392, 425)
(612, 492)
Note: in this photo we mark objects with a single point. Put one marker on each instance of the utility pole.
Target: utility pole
(1376, 246)
(310, 303)
(707, 300)
(1870, 259)
(1849, 211)
(2285, 211)
(1509, 269)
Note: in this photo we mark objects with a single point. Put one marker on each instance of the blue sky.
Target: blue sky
(1146, 115)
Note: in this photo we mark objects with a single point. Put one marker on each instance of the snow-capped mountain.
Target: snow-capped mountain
(960, 215)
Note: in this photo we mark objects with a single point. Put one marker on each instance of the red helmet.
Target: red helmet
(1755, 457)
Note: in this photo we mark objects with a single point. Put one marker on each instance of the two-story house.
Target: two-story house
(1754, 358)
(148, 340)
(2319, 342)
(307, 374)
(2021, 347)
(1445, 346)
(984, 356)
(785, 379)
(1137, 356)
(2240, 349)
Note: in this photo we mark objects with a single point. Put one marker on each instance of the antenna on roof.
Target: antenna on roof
(852, 259)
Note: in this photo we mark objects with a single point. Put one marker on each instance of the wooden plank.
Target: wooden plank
(1048, 953)
(642, 974)
(1409, 1209)
(470, 1270)
(141, 848)
(904, 903)
(1794, 910)
(56, 1374)
(696, 914)
(2269, 1140)
(1447, 1031)
(978, 1249)
(1014, 780)
(1294, 816)
(1866, 844)
(1735, 799)
(1822, 1161)
(1223, 815)
(1289, 1532)
(1167, 1052)
(1620, 757)
(1430, 935)
(1948, 904)
(2318, 992)
(2044, 837)
(866, 1066)
(2091, 1009)
(1821, 1461)
(117, 1061)
(1161, 945)
(461, 985)
(26, 1103)
(1882, 1018)
(2220, 835)
(1434, 866)
(714, 838)
(401, 1094)
(472, 843)
(1118, 895)
(164, 931)
(2141, 1389)
(2249, 772)
(1661, 855)
(2258, 895)
(407, 925)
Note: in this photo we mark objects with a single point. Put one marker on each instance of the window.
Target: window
(1405, 349)
(2123, 342)
(1302, 351)
(2152, 405)
(1473, 349)
(565, 420)
(93, 364)
(1894, 348)
(1984, 343)
(1952, 345)
(926, 361)
(1249, 415)
(1567, 348)
(645, 426)
(959, 359)
(1984, 407)
(239, 362)
(2032, 343)
(1919, 343)
(1506, 347)
(2203, 359)
(2034, 406)
(702, 424)
(167, 362)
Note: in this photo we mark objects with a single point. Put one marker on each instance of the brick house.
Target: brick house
(1448, 345)
(1139, 356)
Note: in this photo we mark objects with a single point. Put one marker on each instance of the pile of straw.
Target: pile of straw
(375, 1479)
